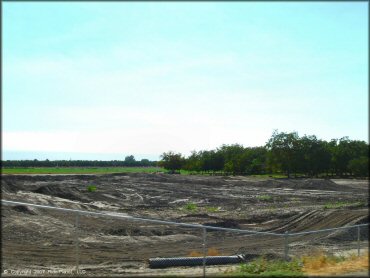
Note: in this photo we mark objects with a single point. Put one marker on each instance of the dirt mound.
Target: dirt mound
(8, 186)
(321, 219)
(308, 184)
(352, 233)
(319, 184)
(70, 193)
(25, 209)
(227, 223)
(139, 232)
(177, 179)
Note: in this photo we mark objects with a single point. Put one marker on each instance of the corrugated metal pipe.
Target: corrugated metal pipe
(194, 261)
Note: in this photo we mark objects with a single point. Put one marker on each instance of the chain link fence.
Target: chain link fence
(56, 241)
(343, 241)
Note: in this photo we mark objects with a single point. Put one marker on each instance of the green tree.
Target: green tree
(345, 151)
(172, 161)
(256, 160)
(217, 160)
(313, 156)
(233, 158)
(145, 162)
(359, 166)
(192, 163)
(130, 160)
(283, 148)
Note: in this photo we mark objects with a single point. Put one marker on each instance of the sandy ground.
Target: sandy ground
(43, 242)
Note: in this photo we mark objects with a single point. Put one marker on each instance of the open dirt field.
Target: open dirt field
(35, 239)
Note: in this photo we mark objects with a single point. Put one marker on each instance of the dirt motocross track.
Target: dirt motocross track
(37, 239)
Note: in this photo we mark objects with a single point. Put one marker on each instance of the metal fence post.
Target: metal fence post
(77, 250)
(286, 245)
(358, 240)
(204, 251)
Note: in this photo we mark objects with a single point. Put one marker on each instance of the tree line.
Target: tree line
(285, 153)
(129, 161)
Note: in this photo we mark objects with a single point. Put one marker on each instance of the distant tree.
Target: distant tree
(192, 163)
(210, 161)
(217, 160)
(346, 150)
(323, 157)
(283, 148)
(286, 152)
(233, 158)
(144, 162)
(130, 160)
(255, 160)
(205, 161)
(313, 156)
(359, 166)
(172, 161)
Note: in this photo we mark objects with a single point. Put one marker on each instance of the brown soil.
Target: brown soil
(39, 239)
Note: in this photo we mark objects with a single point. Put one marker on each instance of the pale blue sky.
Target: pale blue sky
(102, 80)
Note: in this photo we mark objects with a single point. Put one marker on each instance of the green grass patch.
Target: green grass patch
(91, 188)
(191, 207)
(337, 205)
(273, 268)
(212, 209)
(264, 198)
(298, 267)
(186, 172)
(81, 170)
